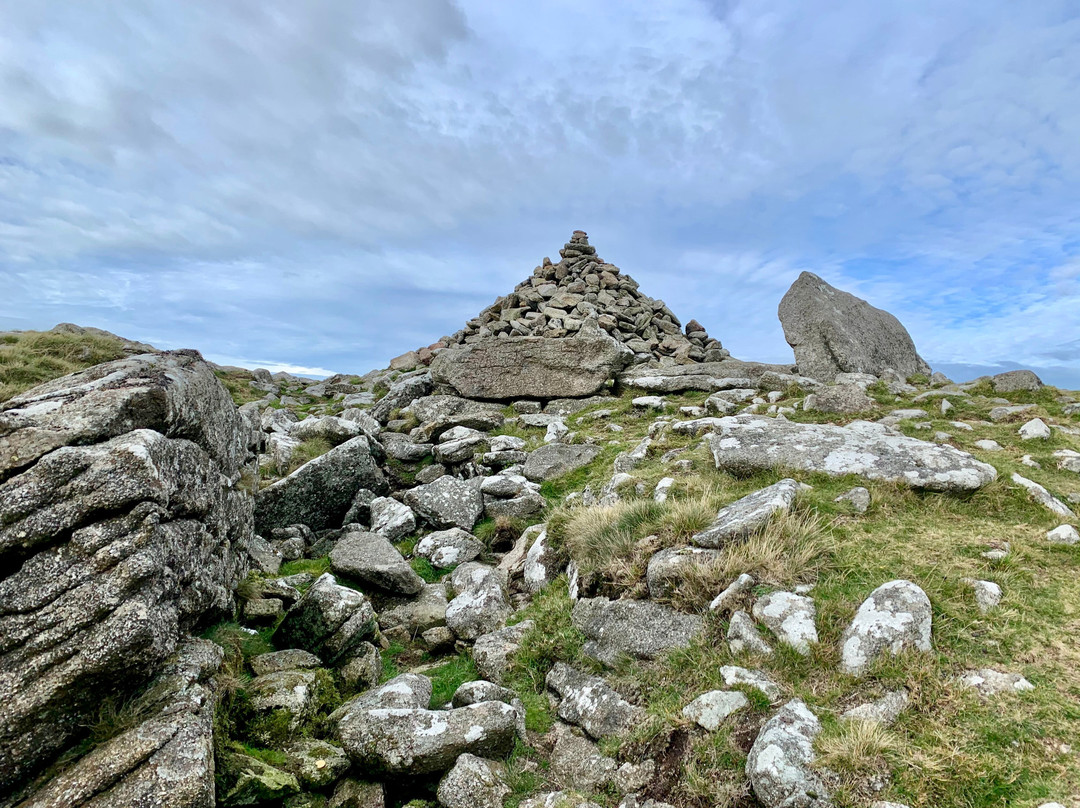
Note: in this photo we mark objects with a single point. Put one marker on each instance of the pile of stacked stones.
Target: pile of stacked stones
(558, 298)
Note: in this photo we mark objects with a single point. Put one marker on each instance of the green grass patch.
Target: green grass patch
(30, 358)
(446, 679)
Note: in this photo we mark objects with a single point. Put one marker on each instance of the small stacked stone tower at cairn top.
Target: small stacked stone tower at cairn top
(558, 298)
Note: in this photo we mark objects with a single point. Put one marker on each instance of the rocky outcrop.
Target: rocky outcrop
(835, 332)
(167, 759)
(121, 527)
(532, 367)
(320, 492)
(745, 444)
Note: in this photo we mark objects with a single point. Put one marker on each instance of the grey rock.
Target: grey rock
(288, 660)
(364, 668)
(725, 600)
(590, 703)
(417, 613)
(329, 620)
(447, 502)
(1035, 429)
(371, 559)
(710, 710)
(578, 764)
(734, 676)
(543, 564)
(320, 493)
(749, 515)
(350, 793)
(883, 711)
(744, 637)
(253, 782)
(1007, 411)
(896, 617)
(858, 498)
(447, 548)
(316, 764)
(558, 799)
(635, 628)
(403, 448)
(835, 332)
(328, 427)
(167, 759)
(492, 652)
(1043, 497)
(987, 594)
(391, 518)
(1015, 380)
(481, 603)
(780, 763)
(556, 459)
(532, 367)
(473, 782)
(1063, 534)
(401, 394)
(669, 568)
(293, 692)
(390, 731)
(113, 542)
(748, 443)
(790, 617)
(525, 504)
(841, 398)
(988, 445)
(990, 682)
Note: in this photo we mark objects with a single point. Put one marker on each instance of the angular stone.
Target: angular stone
(896, 617)
(734, 675)
(723, 602)
(790, 617)
(1015, 380)
(710, 710)
(351, 793)
(319, 493)
(858, 498)
(1064, 534)
(743, 518)
(556, 459)
(883, 711)
(590, 703)
(447, 502)
(841, 398)
(329, 620)
(481, 604)
(330, 428)
(1043, 497)
(532, 367)
(492, 652)
(371, 559)
(670, 567)
(543, 564)
(749, 443)
(990, 682)
(635, 628)
(447, 548)
(744, 637)
(473, 783)
(290, 659)
(416, 613)
(392, 519)
(834, 332)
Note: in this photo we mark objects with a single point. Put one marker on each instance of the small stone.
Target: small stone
(780, 763)
(648, 402)
(743, 636)
(473, 782)
(790, 617)
(723, 601)
(990, 682)
(1043, 497)
(883, 711)
(1065, 534)
(996, 553)
(858, 498)
(734, 675)
(987, 594)
(989, 446)
(1035, 429)
(895, 617)
(660, 493)
(709, 710)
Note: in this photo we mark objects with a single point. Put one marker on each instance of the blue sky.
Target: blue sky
(327, 184)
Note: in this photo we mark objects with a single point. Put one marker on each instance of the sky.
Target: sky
(321, 186)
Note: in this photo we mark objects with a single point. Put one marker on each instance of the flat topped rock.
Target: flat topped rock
(532, 367)
(744, 444)
(834, 332)
(639, 629)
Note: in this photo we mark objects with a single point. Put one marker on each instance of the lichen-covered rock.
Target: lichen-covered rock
(990, 682)
(371, 559)
(168, 759)
(492, 652)
(744, 637)
(896, 617)
(556, 459)
(543, 563)
(350, 793)
(834, 332)
(669, 568)
(710, 710)
(391, 731)
(532, 367)
(734, 675)
(590, 703)
(447, 548)
(290, 659)
(315, 763)
(292, 693)
(254, 782)
(417, 613)
(473, 782)
(402, 393)
(121, 527)
(1012, 381)
(744, 444)
(638, 629)
(749, 515)
(481, 604)
(331, 428)
(840, 398)
(780, 763)
(391, 518)
(329, 620)
(447, 502)
(320, 492)
(883, 711)
(790, 617)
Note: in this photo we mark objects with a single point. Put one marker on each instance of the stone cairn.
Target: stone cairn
(559, 298)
